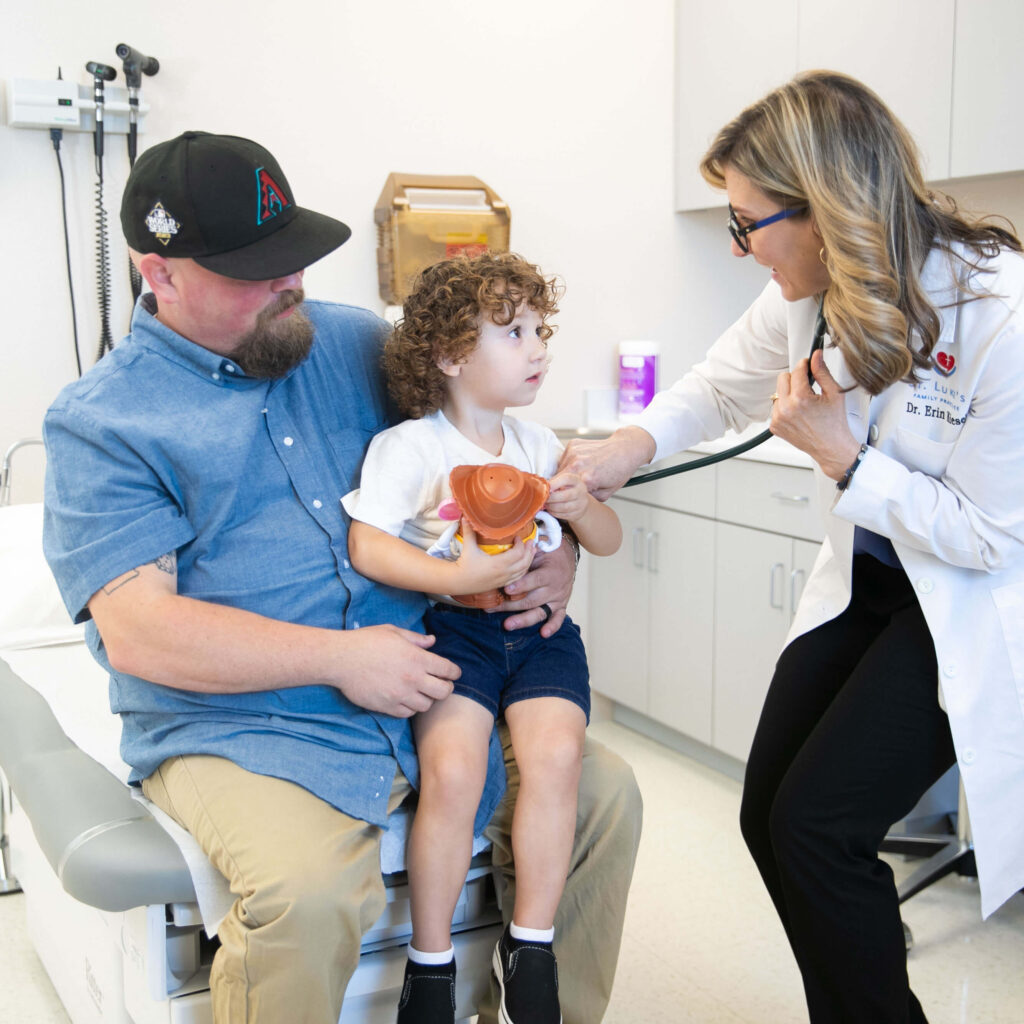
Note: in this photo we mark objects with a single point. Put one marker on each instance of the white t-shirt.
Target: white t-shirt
(405, 473)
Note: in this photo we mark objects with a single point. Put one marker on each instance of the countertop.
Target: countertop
(774, 450)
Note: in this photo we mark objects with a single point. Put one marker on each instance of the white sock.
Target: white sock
(431, 959)
(531, 934)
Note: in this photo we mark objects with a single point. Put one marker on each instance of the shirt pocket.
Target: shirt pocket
(922, 453)
(348, 446)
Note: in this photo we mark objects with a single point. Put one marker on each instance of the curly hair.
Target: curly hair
(442, 316)
(826, 142)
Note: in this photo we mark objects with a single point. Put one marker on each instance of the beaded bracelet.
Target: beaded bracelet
(841, 485)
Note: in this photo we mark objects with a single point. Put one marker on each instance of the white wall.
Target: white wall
(565, 112)
(564, 107)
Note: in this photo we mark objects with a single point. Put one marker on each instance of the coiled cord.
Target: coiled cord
(106, 343)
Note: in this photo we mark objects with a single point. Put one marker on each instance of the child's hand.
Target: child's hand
(476, 570)
(568, 499)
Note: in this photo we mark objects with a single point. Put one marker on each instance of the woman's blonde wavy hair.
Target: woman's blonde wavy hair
(826, 142)
(441, 321)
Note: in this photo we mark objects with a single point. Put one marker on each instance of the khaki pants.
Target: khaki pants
(308, 885)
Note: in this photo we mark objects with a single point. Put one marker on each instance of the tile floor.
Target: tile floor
(702, 944)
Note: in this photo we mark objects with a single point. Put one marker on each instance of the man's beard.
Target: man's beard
(274, 347)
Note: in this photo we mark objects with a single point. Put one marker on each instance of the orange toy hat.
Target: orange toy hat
(498, 500)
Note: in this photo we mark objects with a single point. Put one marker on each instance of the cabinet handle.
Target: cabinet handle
(793, 499)
(771, 584)
(638, 547)
(652, 551)
(794, 590)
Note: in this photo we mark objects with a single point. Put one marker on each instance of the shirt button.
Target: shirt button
(355, 625)
(317, 503)
(215, 376)
(289, 441)
(949, 669)
(968, 756)
(345, 563)
(873, 432)
(228, 368)
(925, 585)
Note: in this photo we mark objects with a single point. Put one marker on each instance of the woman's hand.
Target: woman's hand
(606, 465)
(816, 424)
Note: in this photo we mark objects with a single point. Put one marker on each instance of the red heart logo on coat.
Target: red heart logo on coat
(945, 362)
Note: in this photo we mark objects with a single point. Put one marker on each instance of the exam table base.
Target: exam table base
(151, 965)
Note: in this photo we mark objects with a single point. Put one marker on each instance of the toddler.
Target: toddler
(472, 343)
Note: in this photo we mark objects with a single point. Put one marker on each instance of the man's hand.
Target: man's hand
(151, 631)
(392, 671)
(549, 582)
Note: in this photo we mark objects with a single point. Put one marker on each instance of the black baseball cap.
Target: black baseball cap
(224, 202)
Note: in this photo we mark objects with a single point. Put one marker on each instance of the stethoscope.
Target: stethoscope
(817, 342)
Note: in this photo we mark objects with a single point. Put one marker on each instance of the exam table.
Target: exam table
(121, 904)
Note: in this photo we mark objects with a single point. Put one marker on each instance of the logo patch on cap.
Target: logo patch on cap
(271, 198)
(161, 223)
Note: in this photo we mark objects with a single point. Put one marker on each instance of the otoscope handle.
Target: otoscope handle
(100, 73)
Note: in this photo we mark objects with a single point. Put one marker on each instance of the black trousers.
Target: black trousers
(850, 737)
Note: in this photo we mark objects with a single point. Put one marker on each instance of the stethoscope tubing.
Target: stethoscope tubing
(820, 330)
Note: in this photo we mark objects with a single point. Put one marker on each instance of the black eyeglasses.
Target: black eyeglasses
(740, 234)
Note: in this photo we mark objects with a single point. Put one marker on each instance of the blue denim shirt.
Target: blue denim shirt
(166, 446)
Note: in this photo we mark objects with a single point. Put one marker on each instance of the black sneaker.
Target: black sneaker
(528, 978)
(428, 994)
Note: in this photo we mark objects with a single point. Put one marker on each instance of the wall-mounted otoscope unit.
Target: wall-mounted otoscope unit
(102, 109)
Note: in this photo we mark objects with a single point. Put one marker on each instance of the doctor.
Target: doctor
(907, 649)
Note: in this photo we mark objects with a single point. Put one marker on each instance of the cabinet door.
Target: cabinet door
(729, 53)
(617, 649)
(903, 51)
(987, 88)
(681, 570)
(804, 555)
(752, 616)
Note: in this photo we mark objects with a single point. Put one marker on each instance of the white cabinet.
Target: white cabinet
(904, 51)
(650, 621)
(949, 69)
(728, 53)
(759, 581)
(687, 619)
(987, 87)
(766, 539)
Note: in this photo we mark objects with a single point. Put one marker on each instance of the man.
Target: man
(264, 687)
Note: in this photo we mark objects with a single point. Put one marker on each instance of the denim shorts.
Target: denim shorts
(500, 666)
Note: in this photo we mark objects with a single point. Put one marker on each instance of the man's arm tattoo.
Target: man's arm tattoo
(165, 563)
(121, 581)
(168, 563)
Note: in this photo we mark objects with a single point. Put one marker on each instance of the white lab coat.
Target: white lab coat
(944, 480)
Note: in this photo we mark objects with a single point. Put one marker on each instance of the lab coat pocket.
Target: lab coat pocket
(922, 453)
(1009, 602)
